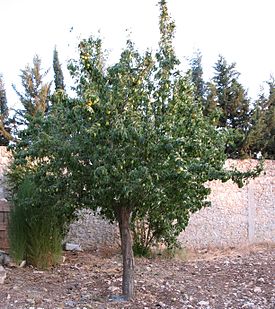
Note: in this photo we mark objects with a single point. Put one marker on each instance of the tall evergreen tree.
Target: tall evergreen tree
(270, 122)
(58, 74)
(261, 135)
(5, 135)
(36, 95)
(233, 103)
(211, 102)
(197, 78)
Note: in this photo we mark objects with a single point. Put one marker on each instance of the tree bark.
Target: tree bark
(124, 216)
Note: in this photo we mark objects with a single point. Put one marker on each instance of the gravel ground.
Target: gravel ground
(243, 278)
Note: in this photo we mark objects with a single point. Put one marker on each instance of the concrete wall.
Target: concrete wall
(236, 217)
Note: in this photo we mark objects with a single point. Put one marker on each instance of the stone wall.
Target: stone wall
(5, 157)
(237, 216)
(93, 233)
(4, 205)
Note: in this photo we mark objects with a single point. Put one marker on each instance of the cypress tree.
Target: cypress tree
(5, 135)
(58, 74)
(197, 78)
(233, 104)
(261, 135)
(270, 122)
(211, 101)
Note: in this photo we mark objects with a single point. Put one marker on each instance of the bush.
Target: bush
(149, 232)
(18, 232)
(34, 231)
(44, 243)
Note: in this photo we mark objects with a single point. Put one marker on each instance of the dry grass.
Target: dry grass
(216, 253)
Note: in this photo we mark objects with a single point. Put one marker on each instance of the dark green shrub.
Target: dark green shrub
(34, 232)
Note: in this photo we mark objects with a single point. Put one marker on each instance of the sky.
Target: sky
(240, 30)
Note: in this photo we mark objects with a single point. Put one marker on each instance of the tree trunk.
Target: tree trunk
(124, 216)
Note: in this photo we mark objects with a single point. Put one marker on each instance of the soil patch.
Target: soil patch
(207, 279)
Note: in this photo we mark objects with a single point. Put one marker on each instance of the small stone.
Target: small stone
(72, 247)
(4, 259)
(261, 280)
(23, 264)
(3, 274)
(160, 305)
(257, 289)
(70, 303)
(117, 298)
(30, 301)
(203, 251)
(38, 272)
(203, 303)
(248, 305)
(113, 288)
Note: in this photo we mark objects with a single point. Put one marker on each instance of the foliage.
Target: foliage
(5, 135)
(33, 230)
(58, 73)
(228, 95)
(199, 85)
(225, 102)
(143, 238)
(261, 135)
(35, 98)
(52, 187)
(17, 231)
(270, 122)
(231, 95)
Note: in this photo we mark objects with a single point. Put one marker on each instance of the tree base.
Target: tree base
(118, 298)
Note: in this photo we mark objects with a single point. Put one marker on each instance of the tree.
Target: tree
(131, 144)
(35, 98)
(197, 78)
(270, 121)
(58, 74)
(233, 103)
(211, 103)
(5, 135)
(261, 134)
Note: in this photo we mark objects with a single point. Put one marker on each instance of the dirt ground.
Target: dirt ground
(207, 279)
